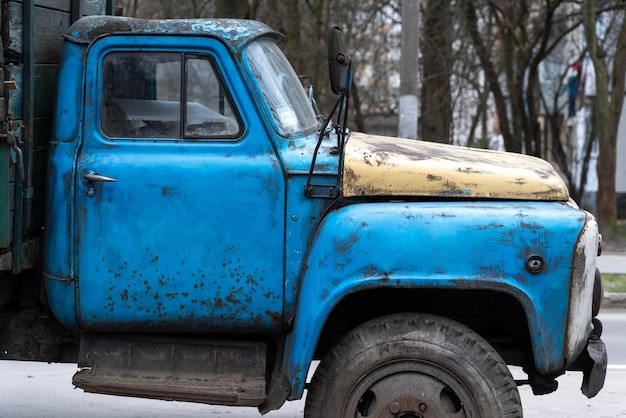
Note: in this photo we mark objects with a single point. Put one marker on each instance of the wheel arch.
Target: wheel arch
(497, 315)
(319, 325)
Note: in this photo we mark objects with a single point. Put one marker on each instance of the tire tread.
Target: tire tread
(448, 333)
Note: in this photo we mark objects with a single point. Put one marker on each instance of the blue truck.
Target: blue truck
(184, 226)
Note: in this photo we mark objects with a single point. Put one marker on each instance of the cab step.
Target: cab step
(214, 371)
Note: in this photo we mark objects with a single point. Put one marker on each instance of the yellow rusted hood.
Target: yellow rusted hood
(386, 166)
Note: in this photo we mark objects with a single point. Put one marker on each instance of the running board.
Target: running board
(214, 371)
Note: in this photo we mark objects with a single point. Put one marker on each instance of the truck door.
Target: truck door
(180, 197)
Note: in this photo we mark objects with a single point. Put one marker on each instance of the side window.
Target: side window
(143, 92)
(209, 109)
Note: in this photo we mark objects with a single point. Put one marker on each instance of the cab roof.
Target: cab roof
(235, 33)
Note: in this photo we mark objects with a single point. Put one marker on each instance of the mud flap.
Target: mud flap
(593, 377)
(593, 362)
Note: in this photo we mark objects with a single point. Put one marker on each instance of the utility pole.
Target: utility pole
(409, 65)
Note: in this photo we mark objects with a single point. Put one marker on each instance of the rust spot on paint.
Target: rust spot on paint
(275, 317)
(468, 170)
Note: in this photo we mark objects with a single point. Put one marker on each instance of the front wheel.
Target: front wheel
(412, 366)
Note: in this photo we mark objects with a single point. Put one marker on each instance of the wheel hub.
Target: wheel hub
(409, 394)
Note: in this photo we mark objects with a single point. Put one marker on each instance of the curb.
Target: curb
(614, 301)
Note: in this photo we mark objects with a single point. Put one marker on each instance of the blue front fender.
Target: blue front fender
(477, 245)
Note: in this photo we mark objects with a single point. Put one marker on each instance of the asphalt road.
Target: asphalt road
(614, 263)
(31, 390)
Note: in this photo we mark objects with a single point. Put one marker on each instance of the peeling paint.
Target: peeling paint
(236, 33)
(385, 166)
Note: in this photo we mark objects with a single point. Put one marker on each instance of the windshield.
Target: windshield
(283, 93)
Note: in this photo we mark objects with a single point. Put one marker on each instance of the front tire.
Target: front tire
(412, 365)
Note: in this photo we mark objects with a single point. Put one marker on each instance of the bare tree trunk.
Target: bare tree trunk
(479, 116)
(533, 133)
(514, 72)
(590, 139)
(292, 45)
(437, 62)
(225, 8)
(511, 142)
(359, 120)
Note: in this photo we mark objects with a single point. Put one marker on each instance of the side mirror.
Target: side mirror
(338, 60)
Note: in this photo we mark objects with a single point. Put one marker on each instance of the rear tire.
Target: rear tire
(412, 365)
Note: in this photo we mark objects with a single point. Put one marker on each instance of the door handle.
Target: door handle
(92, 177)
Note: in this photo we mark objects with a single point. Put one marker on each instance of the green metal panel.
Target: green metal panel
(5, 206)
(32, 36)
